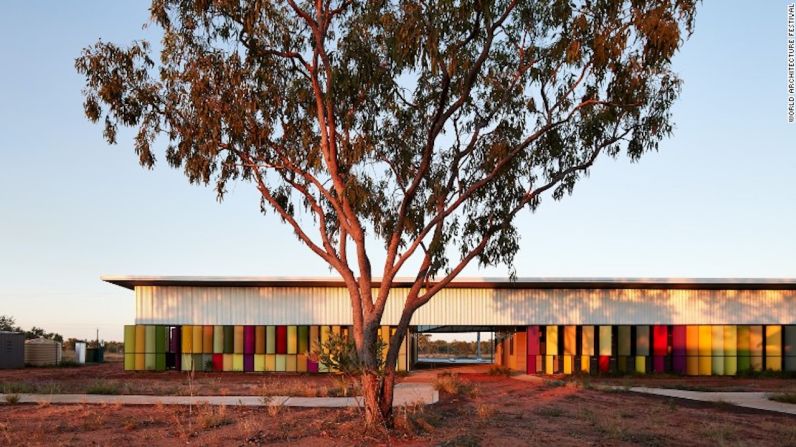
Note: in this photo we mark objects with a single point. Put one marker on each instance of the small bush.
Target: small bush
(210, 416)
(104, 387)
(12, 399)
(786, 398)
(451, 383)
(497, 370)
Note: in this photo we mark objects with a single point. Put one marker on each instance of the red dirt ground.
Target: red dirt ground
(498, 411)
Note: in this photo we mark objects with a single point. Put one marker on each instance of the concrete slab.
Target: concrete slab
(423, 393)
(756, 400)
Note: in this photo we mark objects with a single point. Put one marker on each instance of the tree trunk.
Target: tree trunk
(372, 395)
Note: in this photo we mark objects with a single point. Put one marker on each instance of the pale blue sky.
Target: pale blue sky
(718, 200)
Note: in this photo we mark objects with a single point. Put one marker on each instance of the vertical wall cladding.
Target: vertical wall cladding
(639, 349)
(244, 348)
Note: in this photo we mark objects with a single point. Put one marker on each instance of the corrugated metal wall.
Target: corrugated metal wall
(457, 306)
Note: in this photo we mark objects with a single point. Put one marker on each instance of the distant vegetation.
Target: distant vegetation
(428, 347)
(8, 323)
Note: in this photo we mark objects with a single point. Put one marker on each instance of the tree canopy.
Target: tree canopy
(424, 125)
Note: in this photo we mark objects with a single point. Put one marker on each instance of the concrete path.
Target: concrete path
(756, 400)
(405, 393)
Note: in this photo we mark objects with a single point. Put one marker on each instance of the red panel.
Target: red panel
(605, 363)
(312, 366)
(218, 362)
(281, 339)
(533, 341)
(531, 365)
(658, 364)
(660, 340)
(678, 341)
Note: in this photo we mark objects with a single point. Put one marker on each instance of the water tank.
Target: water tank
(12, 350)
(42, 352)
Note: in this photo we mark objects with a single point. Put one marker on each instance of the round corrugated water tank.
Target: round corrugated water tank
(42, 352)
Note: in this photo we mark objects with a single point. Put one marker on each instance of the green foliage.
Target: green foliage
(340, 353)
(8, 323)
(12, 399)
(788, 398)
(413, 121)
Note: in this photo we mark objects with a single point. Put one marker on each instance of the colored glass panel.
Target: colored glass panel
(150, 342)
(160, 340)
(281, 340)
(228, 362)
(568, 363)
(303, 340)
(129, 361)
(187, 340)
(789, 341)
(175, 339)
(248, 341)
(237, 362)
(129, 340)
(207, 339)
(660, 340)
(604, 362)
(533, 340)
(642, 340)
(315, 336)
(218, 362)
(238, 341)
(259, 341)
(301, 363)
(623, 341)
(270, 362)
(570, 340)
(218, 339)
(197, 339)
(551, 341)
(774, 348)
(149, 361)
(292, 339)
(281, 362)
(641, 364)
(587, 342)
(756, 341)
(248, 362)
(605, 342)
(259, 362)
(270, 339)
(229, 339)
(140, 339)
(290, 363)
(187, 360)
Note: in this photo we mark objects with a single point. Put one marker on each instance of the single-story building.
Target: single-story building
(545, 325)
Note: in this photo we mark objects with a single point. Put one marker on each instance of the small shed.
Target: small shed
(42, 352)
(12, 350)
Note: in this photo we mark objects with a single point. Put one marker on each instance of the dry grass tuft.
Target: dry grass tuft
(786, 398)
(496, 370)
(452, 384)
(12, 399)
(212, 416)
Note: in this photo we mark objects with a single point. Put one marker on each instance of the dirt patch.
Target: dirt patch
(111, 378)
(499, 411)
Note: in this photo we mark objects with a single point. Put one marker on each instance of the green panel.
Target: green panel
(129, 340)
(642, 341)
(199, 363)
(160, 362)
(281, 362)
(789, 363)
(743, 342)
(730, 365)
(292, 339)
(303, 339)
(160, 342)
(717, 368)
(270, 340)
(149, 361)
(229, 339)
(789, 341)
(744, 363)
(623, 341)
(218, 339)
(150, 342)
(129, 361)
(717, 342)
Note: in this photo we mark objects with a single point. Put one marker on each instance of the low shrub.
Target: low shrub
(211, 416)
(787, 398)
(12, 399)
(497, 370)
(451, 383)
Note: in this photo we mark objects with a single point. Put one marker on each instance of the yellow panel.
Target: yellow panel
(292, 339)
(705, 365)
(774, 341)
(757, 362)
(692, 342)
(641, 363)
(270, 340)
(140, 339)
(336, 330)
(570, 340)
(756, 341)
(314, 337)
(301, 363)
(259, 362)
(585, 364)
(548, 366)
(187, 341)
(218, 339)
(743, 341)
(568, 364)
(774, 363)
(551, 340)
(227, 362)
(197, 339)
(281, 362)
(587, 341)
(140, 362)
(642, 340)
(605, 340)
(705, 341)
(238, 340)
(290, 363)
(270, 362)
(237, 362)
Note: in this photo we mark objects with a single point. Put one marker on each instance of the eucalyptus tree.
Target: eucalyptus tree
(424, 125)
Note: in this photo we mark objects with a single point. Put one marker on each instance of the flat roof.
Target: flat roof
(131, 281)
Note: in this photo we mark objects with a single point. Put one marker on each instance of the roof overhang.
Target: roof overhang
(131, 282)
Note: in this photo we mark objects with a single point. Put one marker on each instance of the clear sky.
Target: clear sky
(718, 200)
